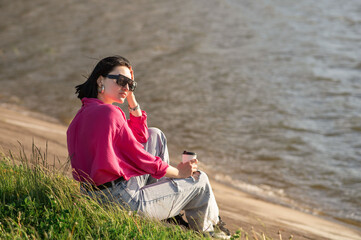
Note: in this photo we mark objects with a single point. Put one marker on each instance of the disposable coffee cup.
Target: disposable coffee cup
(187, 156)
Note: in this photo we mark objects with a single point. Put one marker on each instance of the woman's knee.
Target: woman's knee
(157, 136)
(155, 133)
(157, 144)
(203, 178)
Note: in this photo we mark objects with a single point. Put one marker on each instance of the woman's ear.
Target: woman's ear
(131, 72)
(100, 81)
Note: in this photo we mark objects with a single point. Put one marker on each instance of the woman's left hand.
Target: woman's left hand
(132, 102)
(131, 72)
(131, 97)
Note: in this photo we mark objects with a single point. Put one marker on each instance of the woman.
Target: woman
(121, 160)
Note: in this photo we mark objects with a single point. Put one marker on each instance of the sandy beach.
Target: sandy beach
(238, 209)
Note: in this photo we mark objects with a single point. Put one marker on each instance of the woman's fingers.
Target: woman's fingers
(194, 161)
(188, 168)
(185, 169)
(194, 167)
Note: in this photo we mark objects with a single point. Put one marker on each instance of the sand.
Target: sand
(238, 209)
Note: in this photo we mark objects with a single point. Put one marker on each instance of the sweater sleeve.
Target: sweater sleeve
(139, 127)
(136, 159)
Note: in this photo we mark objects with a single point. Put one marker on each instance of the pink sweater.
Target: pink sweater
(103, 145)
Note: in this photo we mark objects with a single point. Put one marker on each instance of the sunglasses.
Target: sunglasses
(123, 81)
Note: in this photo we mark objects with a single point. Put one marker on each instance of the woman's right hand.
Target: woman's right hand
(183, 170)
(187, 169)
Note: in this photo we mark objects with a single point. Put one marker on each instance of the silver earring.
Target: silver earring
(101, 89)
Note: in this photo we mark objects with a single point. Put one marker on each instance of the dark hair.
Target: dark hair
(89, 88)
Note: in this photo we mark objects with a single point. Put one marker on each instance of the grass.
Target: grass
(40, 202)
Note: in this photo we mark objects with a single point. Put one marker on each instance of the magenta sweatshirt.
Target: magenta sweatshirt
(103, 145)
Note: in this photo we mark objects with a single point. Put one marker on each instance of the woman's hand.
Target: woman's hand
(132, 102)
(131, 97)
(188, 168)
(183, 170)
(131, 72)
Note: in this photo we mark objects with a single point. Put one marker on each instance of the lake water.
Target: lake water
(267, 93)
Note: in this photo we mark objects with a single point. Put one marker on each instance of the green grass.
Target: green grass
(40, 202)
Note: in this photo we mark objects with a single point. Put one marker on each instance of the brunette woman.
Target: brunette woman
(120, 160)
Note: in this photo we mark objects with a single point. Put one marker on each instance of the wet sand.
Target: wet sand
(238, 209)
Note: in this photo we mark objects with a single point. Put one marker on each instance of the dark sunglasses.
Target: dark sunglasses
(123, 81)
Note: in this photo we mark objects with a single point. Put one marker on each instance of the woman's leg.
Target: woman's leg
(168, 197)
(157, 146)
(194, 196)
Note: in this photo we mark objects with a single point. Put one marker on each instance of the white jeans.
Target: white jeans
(166, 197)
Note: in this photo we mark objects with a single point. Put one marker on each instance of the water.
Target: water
(267, 93)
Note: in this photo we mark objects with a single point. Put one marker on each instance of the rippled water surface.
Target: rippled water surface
(267, 93)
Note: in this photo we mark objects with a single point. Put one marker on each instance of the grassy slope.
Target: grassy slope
(42, 204)
(39, 202)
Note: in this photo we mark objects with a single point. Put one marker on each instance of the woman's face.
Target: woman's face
(112, 91)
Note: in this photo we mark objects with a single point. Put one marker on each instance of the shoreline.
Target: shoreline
(315, 217)
(249, 199)
(238, 208)
(323, 215)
